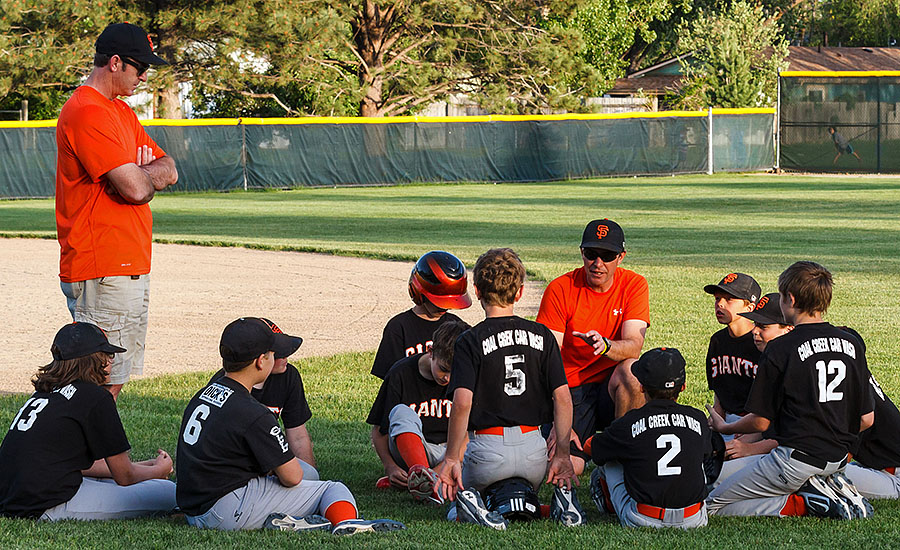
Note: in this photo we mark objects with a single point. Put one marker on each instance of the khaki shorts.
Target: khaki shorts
(119, 306)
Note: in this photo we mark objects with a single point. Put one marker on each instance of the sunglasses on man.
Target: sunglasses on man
(605, 256)
(140, 67)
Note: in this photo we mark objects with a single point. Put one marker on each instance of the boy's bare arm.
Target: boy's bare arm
(450, 469)
(396, 475)
(561, 471)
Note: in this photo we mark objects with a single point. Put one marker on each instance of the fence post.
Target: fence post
(23, 114)
(243, 151)
(777, 124)
(709, 159)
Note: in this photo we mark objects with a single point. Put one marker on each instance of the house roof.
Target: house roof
(802, 58)
(650, 85)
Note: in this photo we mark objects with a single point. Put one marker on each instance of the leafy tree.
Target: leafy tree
(736, 56)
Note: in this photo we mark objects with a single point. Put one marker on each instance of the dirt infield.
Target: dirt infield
(336, 304)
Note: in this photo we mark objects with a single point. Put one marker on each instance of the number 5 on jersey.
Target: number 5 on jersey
(517, 385)
(192, 428)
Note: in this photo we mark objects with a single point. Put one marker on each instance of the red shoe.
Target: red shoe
(383, 483)
(423, 484)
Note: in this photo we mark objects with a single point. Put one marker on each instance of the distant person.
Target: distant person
(107, 170)
(842, 145)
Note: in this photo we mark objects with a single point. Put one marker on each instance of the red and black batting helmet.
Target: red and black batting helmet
(440, 277)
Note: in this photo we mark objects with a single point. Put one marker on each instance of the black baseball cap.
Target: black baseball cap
(739, 285)
(660, 369)
(767, 311)
(605, 234)
(80, 340)
(284, 347)
(247, 338)
(128, 40)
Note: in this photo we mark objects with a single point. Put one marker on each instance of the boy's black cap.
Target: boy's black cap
(767, 311)
(284, 347)
(247, 338)
(128, 40)
(660, 369)
(739, 285)
(605, 234)
(80, 340)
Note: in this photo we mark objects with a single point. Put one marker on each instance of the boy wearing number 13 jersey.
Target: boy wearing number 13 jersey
(812, 390)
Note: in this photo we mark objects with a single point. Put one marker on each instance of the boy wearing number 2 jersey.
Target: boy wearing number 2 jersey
(650, 471)
(812, 390)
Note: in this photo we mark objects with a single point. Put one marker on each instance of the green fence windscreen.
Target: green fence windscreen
(285, 155)
(862, 110)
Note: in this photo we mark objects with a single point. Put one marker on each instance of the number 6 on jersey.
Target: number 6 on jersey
(192, 428)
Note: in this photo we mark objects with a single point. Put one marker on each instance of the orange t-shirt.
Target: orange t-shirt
(100, 235)
(569, 305)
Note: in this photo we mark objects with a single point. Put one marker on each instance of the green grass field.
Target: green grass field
(682, 233)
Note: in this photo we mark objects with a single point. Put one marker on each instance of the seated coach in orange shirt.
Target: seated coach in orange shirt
(599, 314)
(107, 170)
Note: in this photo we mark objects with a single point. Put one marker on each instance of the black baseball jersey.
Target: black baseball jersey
(404, 384)
(512, 366)
(283, 394)
(661, 447)
(879, 446)
(731, 365)
(404, 335)
(813, 385)
(227, 438)
(54, 436)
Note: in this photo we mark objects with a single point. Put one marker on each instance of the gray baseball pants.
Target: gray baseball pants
(249, 506)
(404, 420)
(762, 487)
(873, 483)
(492, 458)
(626, 507)
(105, 499)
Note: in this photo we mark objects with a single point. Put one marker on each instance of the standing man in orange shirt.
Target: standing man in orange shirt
(599, 314)
(107, 170)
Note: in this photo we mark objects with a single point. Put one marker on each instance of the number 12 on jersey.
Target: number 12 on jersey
(828, 390)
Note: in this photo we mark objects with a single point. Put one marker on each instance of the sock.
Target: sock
(340, 511)
(545, 511)
(411, 449)
(588, 446)
(795, 506)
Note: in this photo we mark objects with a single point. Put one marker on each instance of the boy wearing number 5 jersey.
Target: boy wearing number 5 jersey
(651, 459)
(812, 390)
(230, 443)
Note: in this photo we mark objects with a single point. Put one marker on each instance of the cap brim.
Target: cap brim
(450, 302)
(285, 345)
(603, 246)
(109, 348)
(151, 59)
(758, 317)
(712, 289)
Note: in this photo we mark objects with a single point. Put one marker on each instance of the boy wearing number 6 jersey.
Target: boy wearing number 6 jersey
(651, 459)
(230, 443)
(812, 390)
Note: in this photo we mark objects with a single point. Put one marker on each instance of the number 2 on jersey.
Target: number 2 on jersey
(192, 428)
(662, 465)
(827, 390)
(517, 385)
(23, 425)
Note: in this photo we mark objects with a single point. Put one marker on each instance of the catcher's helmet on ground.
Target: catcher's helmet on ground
(440, 278)
(514, 499)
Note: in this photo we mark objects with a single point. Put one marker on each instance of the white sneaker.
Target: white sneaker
(565, 508)
(470, 508)
(822, 502)
(353, 526)
(859, 505)
(284, 522)
(423, 485)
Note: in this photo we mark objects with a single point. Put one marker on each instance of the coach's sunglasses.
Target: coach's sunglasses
(593, 253)
(141, 67)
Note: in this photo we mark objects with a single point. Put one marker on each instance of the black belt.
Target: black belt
(813, 461)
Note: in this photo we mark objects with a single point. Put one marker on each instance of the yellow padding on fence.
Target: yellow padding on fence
(411, 119)
(838, 74)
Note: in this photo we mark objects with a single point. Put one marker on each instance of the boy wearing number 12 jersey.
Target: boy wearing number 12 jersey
(812, 390)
